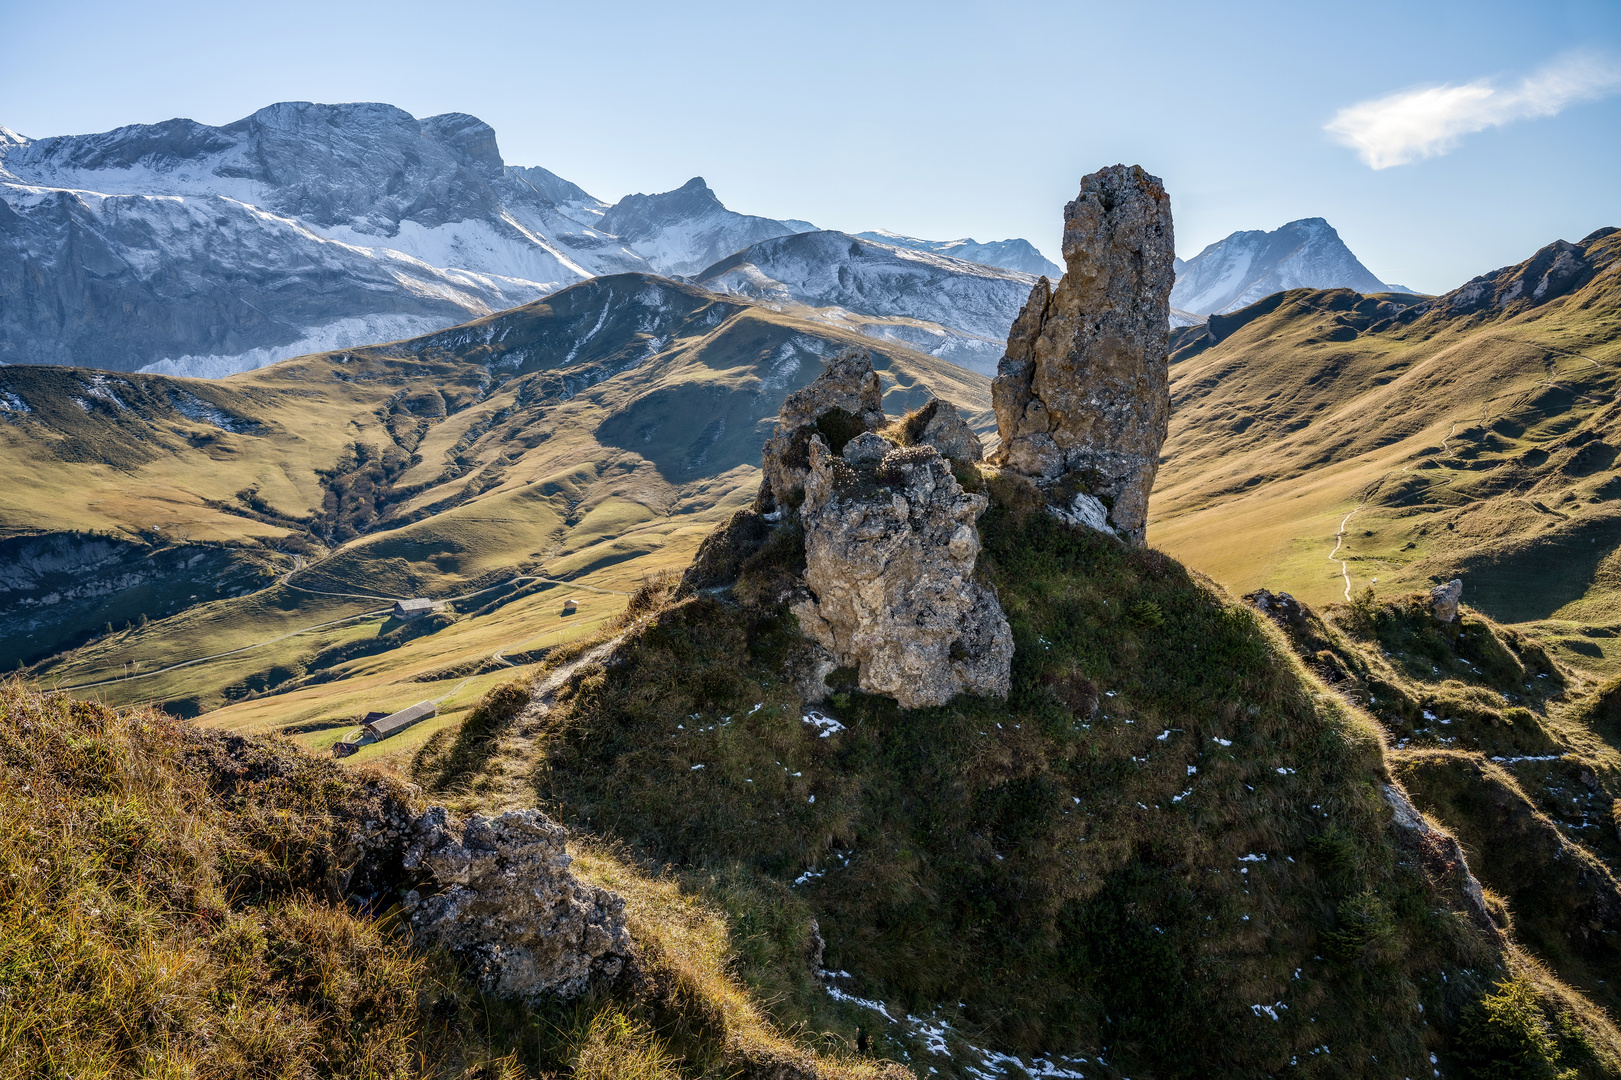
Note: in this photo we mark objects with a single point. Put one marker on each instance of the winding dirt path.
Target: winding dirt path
(511, 766)
(1547, 382)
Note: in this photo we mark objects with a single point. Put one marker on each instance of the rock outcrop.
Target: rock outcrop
(1444, 599)
(505, 903)
(1081, 397)
(938, 424)
(890, 547)
(845, 400)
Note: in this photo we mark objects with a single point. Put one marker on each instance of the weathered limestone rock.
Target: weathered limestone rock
(507, 905)
(1081, 397)
(1444, 599)
(937, 424)
(843, 401)
(890, 547)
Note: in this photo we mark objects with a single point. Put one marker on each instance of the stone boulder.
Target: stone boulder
(845, 400)
(1081, 397)
(938, 424)
(890, 548)
(1444, 599)
(499, 895)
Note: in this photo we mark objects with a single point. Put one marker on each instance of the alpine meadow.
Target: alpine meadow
(457, 626)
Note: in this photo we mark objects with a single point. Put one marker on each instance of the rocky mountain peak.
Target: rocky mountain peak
(682, 232)
(1081, 397)
(1241, 269)
(470, 137)
(636, 216)
(1556, 270)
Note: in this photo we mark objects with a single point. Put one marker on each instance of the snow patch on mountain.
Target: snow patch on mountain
(951, 308)
(125, 281)
(1246, 266)
(1015, 254)
(347, 333)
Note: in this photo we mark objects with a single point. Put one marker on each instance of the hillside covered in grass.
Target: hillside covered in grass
(257, 528)
(1171, 851)
(1322, 439)
(1512, 752)
(176, 902)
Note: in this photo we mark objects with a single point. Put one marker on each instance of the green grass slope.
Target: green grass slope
(1513, 753)
(176, 903)
(592, 437)
(1320, 440)
(1167, 854)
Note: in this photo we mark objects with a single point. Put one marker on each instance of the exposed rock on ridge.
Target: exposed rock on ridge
(938, 424)
(843, 401)
(890, 547)
(508, 906)
(1081, 398)
(890, 540)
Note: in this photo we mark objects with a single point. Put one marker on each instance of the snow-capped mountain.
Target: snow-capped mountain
(188, 249)
(951, 308)
(196, 249)
(683, 231)
(1020, 255)
(206, 285)
(1246, 266)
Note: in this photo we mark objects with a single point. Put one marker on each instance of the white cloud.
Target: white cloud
(1430, 121)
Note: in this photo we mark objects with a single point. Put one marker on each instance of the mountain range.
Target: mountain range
(232, 548)
(188, 249)
(1204, 834)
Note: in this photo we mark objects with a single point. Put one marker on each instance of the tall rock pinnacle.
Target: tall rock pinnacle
(1081, 397)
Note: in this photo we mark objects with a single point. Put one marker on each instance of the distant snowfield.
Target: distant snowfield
(348, 333)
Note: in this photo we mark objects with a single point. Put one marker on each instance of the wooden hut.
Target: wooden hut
(412, 609)
(394, 723)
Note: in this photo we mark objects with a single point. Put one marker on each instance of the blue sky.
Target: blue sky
(935, 119)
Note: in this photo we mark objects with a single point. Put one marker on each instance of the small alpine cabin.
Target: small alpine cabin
(412, 609)
(394, 723)
(570, 607)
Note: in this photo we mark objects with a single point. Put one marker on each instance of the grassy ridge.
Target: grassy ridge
(595, 437)
(1456, 440)
(1168, 849)
(173, 903)
(1508, 750)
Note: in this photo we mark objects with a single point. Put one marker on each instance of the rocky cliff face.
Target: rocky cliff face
(58, 589)
(890, 547)
(198, 250)
(500, 896)
(1081, 400)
